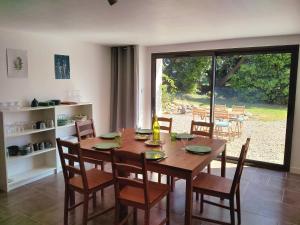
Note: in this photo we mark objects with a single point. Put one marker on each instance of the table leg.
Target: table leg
(223, 163)
(189, 200)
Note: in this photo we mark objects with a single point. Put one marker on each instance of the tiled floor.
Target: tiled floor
(268, 198)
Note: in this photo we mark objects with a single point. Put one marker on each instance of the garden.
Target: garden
(260, 83)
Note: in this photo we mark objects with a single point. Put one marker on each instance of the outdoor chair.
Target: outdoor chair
(223, 125)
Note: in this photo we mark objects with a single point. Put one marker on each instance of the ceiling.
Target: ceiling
(152, 22)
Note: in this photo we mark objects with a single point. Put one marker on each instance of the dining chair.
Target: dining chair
(202, 129)
(78, 179)
(165, 123)
(137, 193)
(224, 188)
(86, 129)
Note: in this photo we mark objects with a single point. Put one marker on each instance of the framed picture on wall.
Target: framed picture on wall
(62, 66)
(17, 63)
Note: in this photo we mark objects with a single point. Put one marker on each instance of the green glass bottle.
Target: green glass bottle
(156, 129)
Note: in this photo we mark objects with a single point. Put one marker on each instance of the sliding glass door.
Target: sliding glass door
(251, 100)
(245, 92)
(183, 84)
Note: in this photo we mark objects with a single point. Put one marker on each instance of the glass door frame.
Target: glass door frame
(292, 49)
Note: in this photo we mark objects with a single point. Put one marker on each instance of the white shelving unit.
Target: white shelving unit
(16, 171)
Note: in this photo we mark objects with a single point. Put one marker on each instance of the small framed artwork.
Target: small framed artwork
(62, 66)
(17, 63)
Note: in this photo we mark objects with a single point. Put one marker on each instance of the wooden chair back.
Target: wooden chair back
(240, 109)
(240, 167)
(85, 129)
(221, 115)
(199, 112)
(166, 123)
(69, 159)
(123, 164)
(202, 128)
(220, 107)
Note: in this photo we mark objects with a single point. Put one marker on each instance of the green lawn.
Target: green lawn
(265, 112)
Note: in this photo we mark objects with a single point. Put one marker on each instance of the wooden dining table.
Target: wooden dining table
(178, 162)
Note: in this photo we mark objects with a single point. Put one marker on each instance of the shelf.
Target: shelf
(26, 109)
(74, 105)
(67, 125)
(29, 131)
(12, 158)
(29, 176)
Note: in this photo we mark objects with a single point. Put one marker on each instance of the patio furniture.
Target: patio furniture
(178, 163)
(85, 182)
(220, 107)
(223, 125)
(200, 112)
(207, 184)
(238, 113)
(239, 109)
(137, 193)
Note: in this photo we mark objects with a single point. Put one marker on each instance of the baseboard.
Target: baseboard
(295, 170)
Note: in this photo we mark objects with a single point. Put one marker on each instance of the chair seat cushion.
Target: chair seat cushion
(222, 123)
(210, 184)
(96, 179)
(135, 195)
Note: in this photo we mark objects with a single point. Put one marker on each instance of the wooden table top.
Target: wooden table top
(176, 157)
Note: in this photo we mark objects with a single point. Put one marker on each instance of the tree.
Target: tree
(188, 73)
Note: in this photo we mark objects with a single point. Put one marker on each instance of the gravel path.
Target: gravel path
(267, 138)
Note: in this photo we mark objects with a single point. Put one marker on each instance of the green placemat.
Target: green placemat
(153, 143)
(144, 131)
(106, 145)
(198, 149)
(154, 155)
(110, 135)
(184, 136)
(141, 137)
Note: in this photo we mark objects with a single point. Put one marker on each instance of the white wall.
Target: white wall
(234, 43)
(89, 65)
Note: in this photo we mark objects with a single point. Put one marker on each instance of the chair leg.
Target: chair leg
(208, 168)
(66, 206)
(159, 177)
(201, 203)
(232, 216)
(147, 217)
(168, 206)
(197, 196)
(94, 200)
(102, 168)
(135, 216)
(238, 203)
(85, 209)
(172, 184)
(117, 213)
